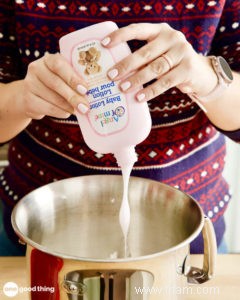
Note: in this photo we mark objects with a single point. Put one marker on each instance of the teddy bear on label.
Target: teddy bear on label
(89, 59)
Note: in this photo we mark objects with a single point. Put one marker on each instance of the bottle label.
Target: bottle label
(108, 106)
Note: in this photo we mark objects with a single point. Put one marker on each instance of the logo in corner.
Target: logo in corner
(10, 289)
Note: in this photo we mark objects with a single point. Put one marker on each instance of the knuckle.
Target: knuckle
(134, 27)
(185, 48)
(179, 35)
(62, 103)
(166, 83)
(182, 47)
(74, 100)
(152, 91)
(138, 80)
(157, 67)
(146, 54)
(57, 66)
(56, 99)
(54, 84)
(54, 62)
(32, 67)
(72, 82)
(189, 51)
(173, 36)
(165, 26)
(123, 67)
(185, 88)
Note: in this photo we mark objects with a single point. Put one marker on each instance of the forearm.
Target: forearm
(12, 116)
(224, 111)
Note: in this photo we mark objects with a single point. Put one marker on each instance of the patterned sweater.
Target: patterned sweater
(183, 149)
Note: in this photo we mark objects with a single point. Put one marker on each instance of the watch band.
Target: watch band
(224, 80)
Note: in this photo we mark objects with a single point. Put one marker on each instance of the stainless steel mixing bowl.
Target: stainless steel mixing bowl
(77, 221)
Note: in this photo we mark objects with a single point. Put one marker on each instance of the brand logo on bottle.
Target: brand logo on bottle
(110, 116)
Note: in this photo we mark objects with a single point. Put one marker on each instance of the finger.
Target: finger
(60, 66)
(36, 110)
(138, 59)
(162, 43)
(139, 31)
(42, 91)
(70, 82)
(171, 79)
(154, 70)
(55, 83)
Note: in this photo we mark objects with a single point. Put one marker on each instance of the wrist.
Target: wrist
(224, 77)
(16, 97)
(13, 118)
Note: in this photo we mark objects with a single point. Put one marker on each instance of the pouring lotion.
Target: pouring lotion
(116, 122)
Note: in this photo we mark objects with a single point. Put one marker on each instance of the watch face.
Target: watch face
(226, 70)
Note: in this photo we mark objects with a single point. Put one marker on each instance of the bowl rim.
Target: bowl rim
(45, 249)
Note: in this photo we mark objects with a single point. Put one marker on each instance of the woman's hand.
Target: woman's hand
(51, 87)
(167, 57)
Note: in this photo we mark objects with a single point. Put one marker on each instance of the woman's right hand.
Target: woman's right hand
(52, 88)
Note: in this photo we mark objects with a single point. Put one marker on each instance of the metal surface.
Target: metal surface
(105, 284)
(78, 218)
(196, 275)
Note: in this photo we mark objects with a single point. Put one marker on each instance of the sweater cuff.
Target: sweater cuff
(233, 135)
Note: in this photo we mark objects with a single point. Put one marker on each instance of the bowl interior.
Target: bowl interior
(79, 217)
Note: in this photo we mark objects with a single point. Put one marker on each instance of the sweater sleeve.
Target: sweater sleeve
(10, 63)
(227, 44)
(227, 39)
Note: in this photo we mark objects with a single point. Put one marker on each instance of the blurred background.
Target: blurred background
(232, 216)
(232, 175)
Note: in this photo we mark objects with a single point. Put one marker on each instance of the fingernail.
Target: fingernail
(126, 85)
(81, 89)
(83, 108)
(106, 41)
(141, 97)
(113, 73)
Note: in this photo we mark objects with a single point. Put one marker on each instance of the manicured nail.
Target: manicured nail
(81, 89)
(141, 97)
(83, 108)
(113, 73)
(126, 85)
(106, 41)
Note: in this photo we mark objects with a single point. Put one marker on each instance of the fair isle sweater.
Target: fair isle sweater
(183, 149)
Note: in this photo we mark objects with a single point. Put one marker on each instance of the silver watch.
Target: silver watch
(225, 78)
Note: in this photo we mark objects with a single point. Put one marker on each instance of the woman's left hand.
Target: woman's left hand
(167, 57)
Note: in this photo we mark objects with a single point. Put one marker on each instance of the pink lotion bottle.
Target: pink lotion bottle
(116, 122)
